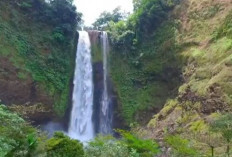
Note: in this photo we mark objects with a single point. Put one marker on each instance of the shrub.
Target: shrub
(146, 148)
(107, 146)
(62, 146)
(17, 138)
(181, 147)
(223, 125)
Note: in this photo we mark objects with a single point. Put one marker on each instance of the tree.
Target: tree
(137, 4)
(209, 138)
(108, 146)
(106, 17)
(223, 125)
(182, 147)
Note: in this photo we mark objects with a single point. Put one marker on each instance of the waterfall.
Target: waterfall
(106, 113)
(81, 125)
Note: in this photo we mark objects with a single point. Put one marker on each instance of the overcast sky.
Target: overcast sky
(91, 9)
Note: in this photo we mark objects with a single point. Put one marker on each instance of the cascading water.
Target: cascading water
(81, 125)
(106, 113)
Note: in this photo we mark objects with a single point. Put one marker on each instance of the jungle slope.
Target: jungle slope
(36, 56)
(184, 67)
(204, 38)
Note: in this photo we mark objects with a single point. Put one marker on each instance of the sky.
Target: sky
(91, 9)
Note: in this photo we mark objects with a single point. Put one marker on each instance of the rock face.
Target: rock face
(14, 90)
(98, 73)
(98, 90)
(35, 67)
(23, 95)
(205, 93)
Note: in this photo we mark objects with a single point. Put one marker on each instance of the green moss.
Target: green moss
(22, 75)
(96, 53)
(197, 53)
(199, 126)
(183, 88)
(153, 122)
(169, 106)
(186, 118)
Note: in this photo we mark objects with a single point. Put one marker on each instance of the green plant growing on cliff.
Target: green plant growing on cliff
(223, 125)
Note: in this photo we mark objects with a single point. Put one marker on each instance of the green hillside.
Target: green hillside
(170, 65)
(36, 51)
(178, 58)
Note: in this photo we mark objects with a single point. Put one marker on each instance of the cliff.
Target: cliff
(37, 52)
(177, 80)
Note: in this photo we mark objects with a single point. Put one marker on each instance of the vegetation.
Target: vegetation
(148, 78)
(17, 138)
(128, 146)
(61, 145)
(107, 17)
(170, 64)
(174, 58)
(20, 139)
(109, 146)
(41, 52)
(223, 125)
(182, 147)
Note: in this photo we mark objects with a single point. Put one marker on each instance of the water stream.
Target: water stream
(81, 121)
(105, 115)
(81, 125)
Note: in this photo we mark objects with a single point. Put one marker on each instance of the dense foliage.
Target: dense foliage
(109, 146)
(146, 148)
(17, 138)
(61, 145)
(128, 146)
(145, 48)
(151, 50)
(223, 125)
(147, 17)
(106, 18)
(181, 147)
(20, 139)
(39, 41)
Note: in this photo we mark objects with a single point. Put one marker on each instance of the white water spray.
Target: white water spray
(81, 125)
(106, 115)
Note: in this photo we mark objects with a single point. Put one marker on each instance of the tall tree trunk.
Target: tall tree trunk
(228, 148)
(212, 151)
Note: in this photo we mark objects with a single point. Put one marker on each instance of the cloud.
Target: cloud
(91, 9)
